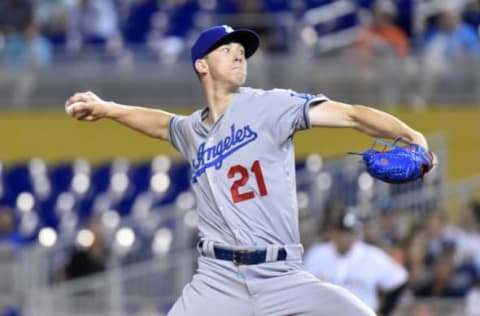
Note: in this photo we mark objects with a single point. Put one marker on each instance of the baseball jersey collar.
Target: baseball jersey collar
(204, 129)
(198, 126)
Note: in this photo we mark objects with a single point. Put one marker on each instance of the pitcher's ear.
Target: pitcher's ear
(201, 66)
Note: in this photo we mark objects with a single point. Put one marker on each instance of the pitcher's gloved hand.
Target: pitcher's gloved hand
(396, 163)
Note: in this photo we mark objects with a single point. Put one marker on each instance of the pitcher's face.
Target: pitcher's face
(228, 63)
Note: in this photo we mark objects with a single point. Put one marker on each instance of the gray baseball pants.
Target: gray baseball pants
(277, 288)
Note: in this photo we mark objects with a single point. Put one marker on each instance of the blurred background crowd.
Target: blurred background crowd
(124, 230)
(48, 28)
(434, 41)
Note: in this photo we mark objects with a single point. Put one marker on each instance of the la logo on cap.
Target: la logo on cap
(228, 28)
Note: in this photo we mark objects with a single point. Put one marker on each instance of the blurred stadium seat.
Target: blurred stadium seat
(17, 180)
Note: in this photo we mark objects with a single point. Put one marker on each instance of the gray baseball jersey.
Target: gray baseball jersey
(243, 175)
(244, 166)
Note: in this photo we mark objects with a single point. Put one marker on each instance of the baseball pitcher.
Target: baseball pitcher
(241, 152)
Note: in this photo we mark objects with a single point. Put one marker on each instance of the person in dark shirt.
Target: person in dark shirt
(87, 259)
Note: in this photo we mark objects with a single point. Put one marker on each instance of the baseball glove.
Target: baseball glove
(396, 163)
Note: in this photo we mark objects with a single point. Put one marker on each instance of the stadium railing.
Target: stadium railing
(341, 76)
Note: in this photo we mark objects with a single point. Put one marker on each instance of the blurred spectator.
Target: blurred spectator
(385, 230)
(448, 278)
(23, 45)
(52, 18)
(433, 260)
(269, 18)
(392, 223)
(382, 48)
(372, 231)
(183, 17)
(382, 36)
(15, 15)
(437, 238)
(342, 261)
(466, 232)
(90, 254)
(416, 258)
(10, 239)
(173, 25)
(450, 49)
(92, 22)
(26, 49)
(138, 21)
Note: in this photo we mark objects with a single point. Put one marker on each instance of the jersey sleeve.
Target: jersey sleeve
(289, 111)
(178, 133)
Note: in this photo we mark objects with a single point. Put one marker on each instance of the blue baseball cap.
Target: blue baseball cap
(211, 37)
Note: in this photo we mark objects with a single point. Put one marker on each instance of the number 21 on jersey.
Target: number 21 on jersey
(245, 174)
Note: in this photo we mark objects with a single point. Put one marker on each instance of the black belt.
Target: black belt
(244, 256)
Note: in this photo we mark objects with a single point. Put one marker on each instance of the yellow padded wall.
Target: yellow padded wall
(53, 136)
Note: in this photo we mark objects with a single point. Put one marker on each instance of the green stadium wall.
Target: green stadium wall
(53, 136)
